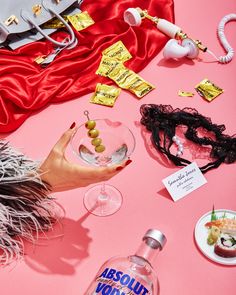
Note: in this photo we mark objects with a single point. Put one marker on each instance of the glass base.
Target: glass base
(103, 202)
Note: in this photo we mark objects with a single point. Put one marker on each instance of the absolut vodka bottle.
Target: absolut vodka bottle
(131, 275)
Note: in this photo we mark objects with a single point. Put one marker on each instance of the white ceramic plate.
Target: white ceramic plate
(201, 234)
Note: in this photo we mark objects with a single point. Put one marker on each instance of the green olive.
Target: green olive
(100, 148)
(90, 124)
(93, 133)
(96, 141)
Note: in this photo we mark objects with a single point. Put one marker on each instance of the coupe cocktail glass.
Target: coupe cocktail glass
(104, 199)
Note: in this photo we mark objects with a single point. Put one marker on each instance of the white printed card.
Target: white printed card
(184, 181)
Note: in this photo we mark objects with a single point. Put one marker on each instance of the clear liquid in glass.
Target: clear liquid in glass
(104, 159)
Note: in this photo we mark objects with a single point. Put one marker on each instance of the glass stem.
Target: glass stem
(103, 188)
(103, 196)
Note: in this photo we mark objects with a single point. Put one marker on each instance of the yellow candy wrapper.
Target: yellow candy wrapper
(40, 59)
(55, 23)
(111, 66)
(117, 51)
(142, 88)
(121, 75)
(80, 21)
(185, 93)
(106, 66)
(208, 90)
(105, 95)
(129, 80)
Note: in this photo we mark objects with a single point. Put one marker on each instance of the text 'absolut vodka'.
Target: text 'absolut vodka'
(118, 283)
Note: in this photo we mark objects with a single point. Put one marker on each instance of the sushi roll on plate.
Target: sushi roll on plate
(201, 234)
(226, 246)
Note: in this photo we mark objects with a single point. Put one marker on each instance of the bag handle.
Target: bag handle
(72, 41)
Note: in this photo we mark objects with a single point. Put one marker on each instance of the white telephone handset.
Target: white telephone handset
(181, 45)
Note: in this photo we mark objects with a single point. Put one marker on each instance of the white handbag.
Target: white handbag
(21, 20)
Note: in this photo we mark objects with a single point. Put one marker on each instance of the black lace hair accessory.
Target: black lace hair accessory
(162, 121)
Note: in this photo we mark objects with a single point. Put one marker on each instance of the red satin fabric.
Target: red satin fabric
(25, 87)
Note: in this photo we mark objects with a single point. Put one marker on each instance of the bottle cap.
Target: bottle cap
(157, 236)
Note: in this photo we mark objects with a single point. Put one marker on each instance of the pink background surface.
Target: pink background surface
(66, 266)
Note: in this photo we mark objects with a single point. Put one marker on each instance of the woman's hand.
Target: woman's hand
(63, 175)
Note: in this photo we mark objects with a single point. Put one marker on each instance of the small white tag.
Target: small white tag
(184, 181)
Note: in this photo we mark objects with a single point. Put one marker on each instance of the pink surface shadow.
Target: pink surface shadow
(63, 249)
(164, 193)
(175, 63)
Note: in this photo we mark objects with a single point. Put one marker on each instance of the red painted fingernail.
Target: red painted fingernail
(119, 168)
(72, 125)
(128, 162)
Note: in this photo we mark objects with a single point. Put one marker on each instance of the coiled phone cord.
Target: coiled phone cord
(224, 42)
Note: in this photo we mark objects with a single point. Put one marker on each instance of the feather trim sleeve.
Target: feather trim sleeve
(26, 208)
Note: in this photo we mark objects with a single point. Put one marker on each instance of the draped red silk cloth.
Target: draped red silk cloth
(26, 87)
